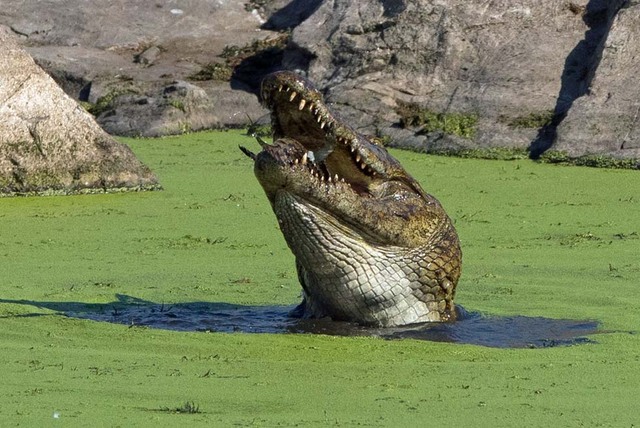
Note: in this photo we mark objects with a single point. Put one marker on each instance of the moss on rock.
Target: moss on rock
(452, 123)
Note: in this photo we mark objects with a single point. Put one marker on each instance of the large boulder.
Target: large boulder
(605, 121)
(48, 143)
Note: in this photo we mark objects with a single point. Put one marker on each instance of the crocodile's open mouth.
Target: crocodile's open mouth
(307, 134)
(370, 244)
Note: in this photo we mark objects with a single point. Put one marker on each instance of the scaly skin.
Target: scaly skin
(371, 246)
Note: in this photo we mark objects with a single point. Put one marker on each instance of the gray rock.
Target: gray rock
(456, 56)
(132, 63)
(510, 65)
(287, 14)
(179, 107)
(48, 143)
(148, 56)
(605, 121)
(147, 110)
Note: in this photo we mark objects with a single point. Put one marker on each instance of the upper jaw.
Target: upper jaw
(298, 112)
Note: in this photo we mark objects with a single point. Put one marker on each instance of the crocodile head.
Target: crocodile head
(371, 246)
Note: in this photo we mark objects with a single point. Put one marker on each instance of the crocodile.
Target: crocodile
(371, 246)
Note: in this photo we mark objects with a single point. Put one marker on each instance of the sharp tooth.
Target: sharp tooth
(280, 88)
(336, 178)
(353, 149)
(302, 103)
(342, 180)
(311, 156)
(295, 161)
(293, 95)
(319, 118)
(358, 158)
(322, 125)
(304, 159)
(329, 179)
(310, 106)
(362, 166)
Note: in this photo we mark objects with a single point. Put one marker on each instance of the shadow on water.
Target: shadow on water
(471, 328)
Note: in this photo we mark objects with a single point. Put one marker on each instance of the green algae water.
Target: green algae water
(540, 242)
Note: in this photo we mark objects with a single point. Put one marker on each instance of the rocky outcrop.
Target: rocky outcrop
(508, 71)
(48, 143)
(605, 121)
(433, 75)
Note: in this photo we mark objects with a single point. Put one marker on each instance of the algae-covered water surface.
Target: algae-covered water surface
(81, 273)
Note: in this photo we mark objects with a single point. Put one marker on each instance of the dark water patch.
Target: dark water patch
(470, 328)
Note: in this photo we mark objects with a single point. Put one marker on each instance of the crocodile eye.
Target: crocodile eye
(376, 140)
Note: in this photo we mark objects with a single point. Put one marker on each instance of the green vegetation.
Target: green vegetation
(532, 120)
(177, 104)
(461, 125)
(595, 161)
(539, 240)
(550, 156)
(493, 153)
(235, 54)
(106, 102)
(213, 71)
(269, 48)
(381, 138)
(458, 124)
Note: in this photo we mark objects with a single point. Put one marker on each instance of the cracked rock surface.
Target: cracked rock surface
(605, 119)
(529, 74)
(48, 143)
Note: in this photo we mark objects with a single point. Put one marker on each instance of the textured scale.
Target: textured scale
(357, 281)
(370, 245)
